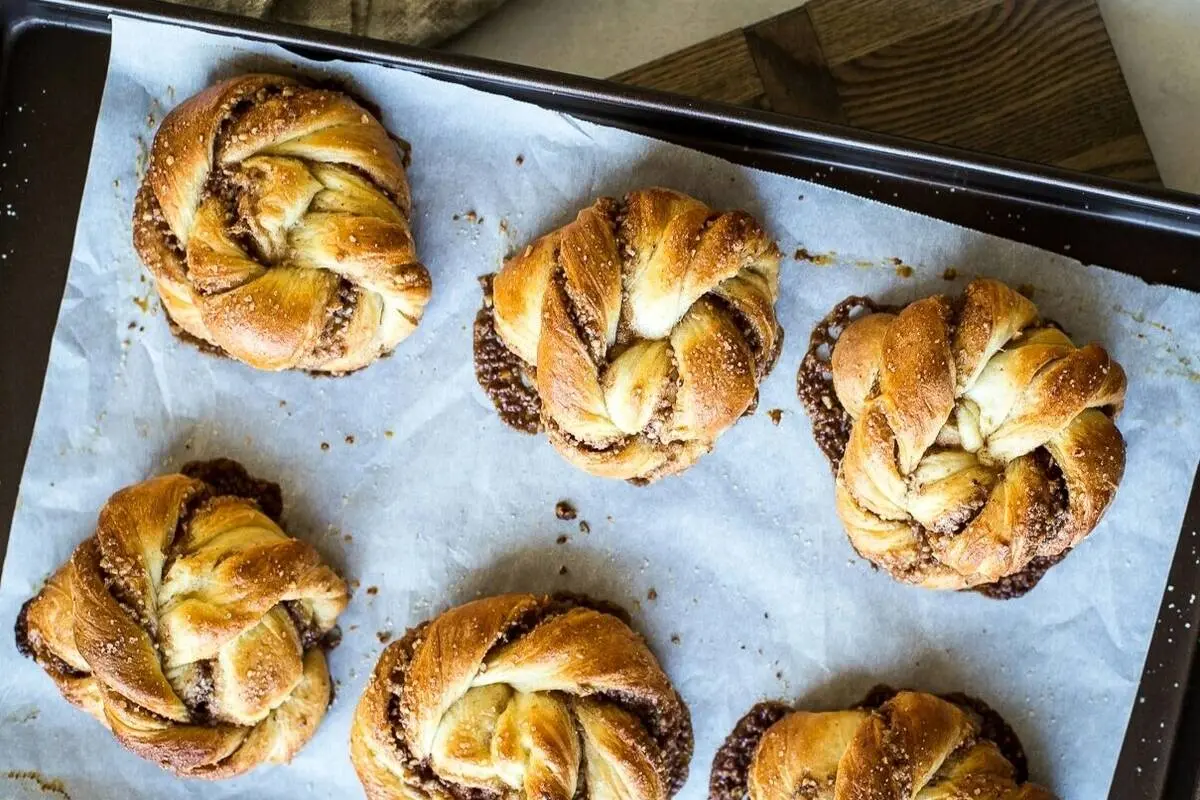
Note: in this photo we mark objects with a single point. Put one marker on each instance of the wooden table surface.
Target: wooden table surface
(1035, 80)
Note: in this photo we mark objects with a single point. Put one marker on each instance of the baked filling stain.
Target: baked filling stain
(504, 377)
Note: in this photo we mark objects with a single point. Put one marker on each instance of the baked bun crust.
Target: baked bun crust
(635, 335)
(521, 696)
(274, 218)
(972, 441)
(191, 625)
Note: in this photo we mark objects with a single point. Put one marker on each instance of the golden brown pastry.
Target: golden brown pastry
(274, 219)
(896, 746)
(973, 442)
(522, 697)
(191, 625)
(635, 335)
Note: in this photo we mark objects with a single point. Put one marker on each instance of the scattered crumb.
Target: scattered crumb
(776, 415)
(949, 274)
(131, 326)
(520, 160)
(454, 217)
(675, 638)
(349, 438)
(283, 403)
(561, 539)
(143, 303)
(816, 259)
(779, 674)
(652, 594)
(904, 271)
(388, 434)
(384, 636)
(564, 510)
(1026, 289)
(372, 590)
(48, 786)
(584, 527)
(347, 538)
(562, 570)
(324, 445)
(471, 216)
(504, 226)
(354, 584)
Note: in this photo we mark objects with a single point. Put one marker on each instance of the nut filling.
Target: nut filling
(508, 381)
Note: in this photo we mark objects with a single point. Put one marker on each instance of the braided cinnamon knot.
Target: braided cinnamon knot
(979, 442)
(634, 335)
(190, 624)
(522, 697)
(911, 745)
(274, 219)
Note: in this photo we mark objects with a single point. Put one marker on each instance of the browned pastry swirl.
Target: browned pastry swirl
(274, 219)
(190, 624)
(980, 442)
(645, 325)
(913, 746)
(520, 696)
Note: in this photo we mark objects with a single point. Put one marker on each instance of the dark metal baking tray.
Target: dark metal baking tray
(52, 69)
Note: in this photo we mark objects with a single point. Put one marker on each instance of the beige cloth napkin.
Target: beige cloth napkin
(424, 22)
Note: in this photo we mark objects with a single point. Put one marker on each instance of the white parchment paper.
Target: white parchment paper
(424, 494)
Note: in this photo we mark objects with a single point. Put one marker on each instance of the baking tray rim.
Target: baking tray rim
(1163, 209)
(945, 165)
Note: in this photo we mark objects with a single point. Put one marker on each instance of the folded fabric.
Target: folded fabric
(424, 22)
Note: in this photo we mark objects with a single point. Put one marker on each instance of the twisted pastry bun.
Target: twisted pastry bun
(522, 697)
(190, 625)
(973, 443)
(635, 335)
(274, 219)
(896, 746)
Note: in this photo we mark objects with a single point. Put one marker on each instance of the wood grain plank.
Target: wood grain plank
(1030, 79)
(720, 69)
(1128, 158)
(1035, 80)
(848, 29)
(792, 66)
